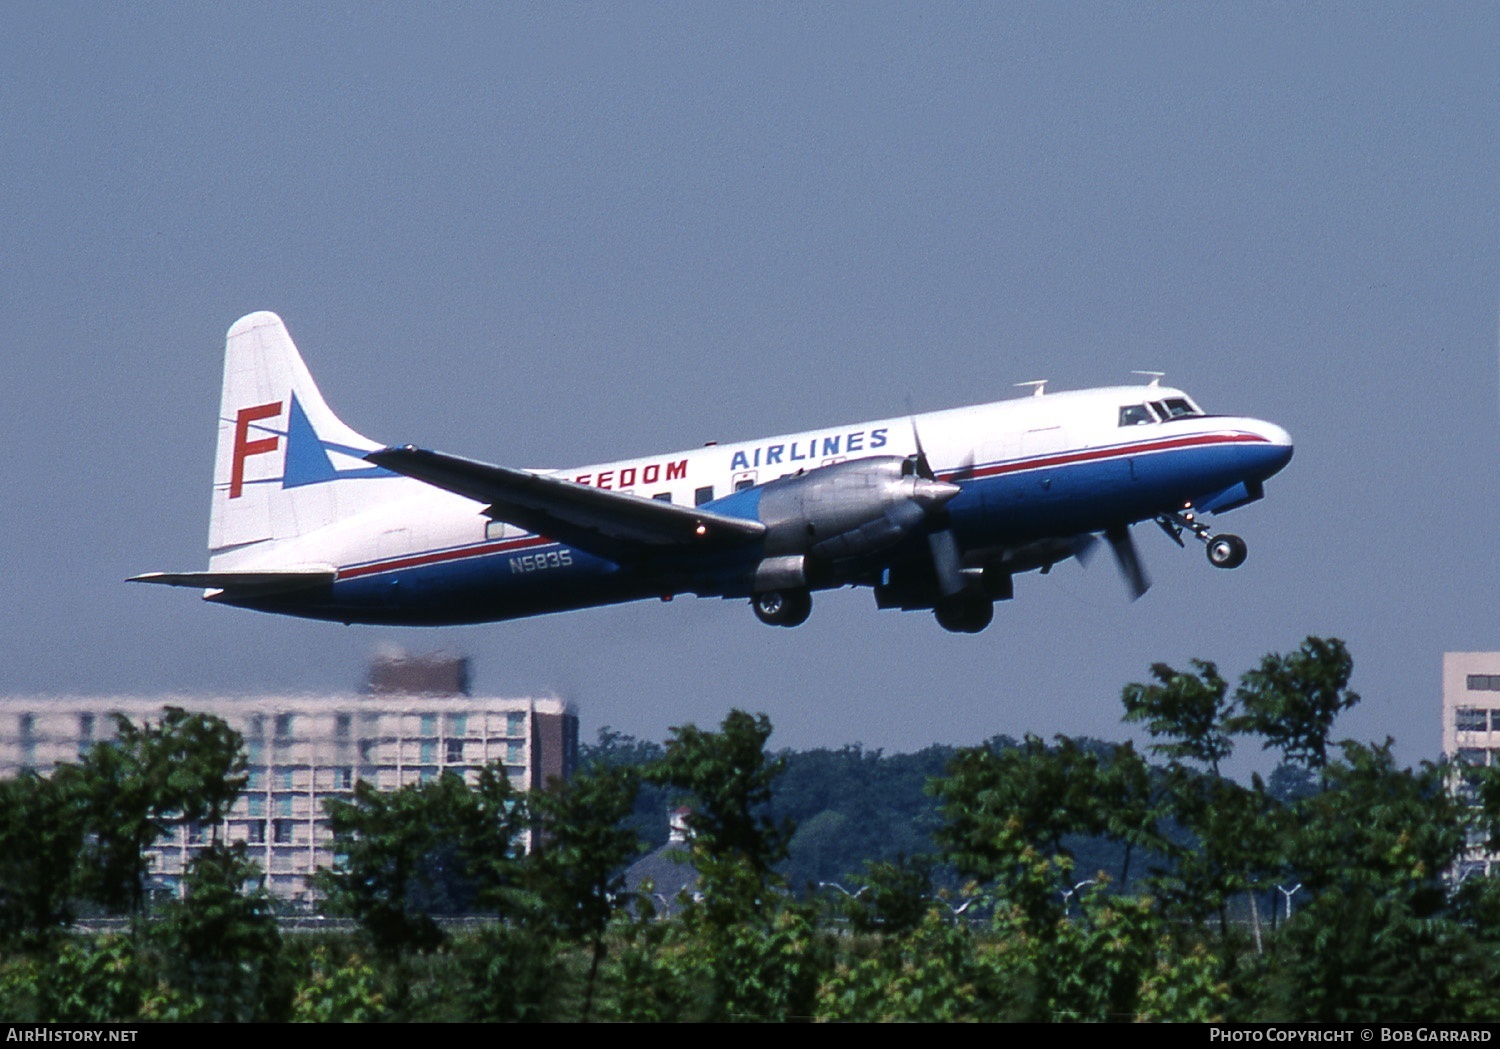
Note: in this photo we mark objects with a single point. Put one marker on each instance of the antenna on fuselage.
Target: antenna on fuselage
(1156, 378)
(1039, 384)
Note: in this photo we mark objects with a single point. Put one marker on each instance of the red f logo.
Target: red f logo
(244, 447)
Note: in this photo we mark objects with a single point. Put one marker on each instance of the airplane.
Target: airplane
(935, 511)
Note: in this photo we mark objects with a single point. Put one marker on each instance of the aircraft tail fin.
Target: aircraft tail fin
(285, 465)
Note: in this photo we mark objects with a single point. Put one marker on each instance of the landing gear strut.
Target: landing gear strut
(782, 607)
(1224, 551)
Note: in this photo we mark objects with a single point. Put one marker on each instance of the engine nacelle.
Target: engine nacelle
(847, 510)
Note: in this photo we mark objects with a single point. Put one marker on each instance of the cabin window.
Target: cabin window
(1136, 415)
(1175, 408)
(663, 497)
(703, 495)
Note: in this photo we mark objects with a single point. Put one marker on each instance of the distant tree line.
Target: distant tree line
(1019, 879)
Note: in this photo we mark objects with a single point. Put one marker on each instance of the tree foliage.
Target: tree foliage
(1041, 930)
(437, 847)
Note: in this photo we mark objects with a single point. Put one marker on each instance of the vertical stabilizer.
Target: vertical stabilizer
(285, 464)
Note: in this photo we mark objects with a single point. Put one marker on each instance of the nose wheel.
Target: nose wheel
(782, 607)
(1224, 551)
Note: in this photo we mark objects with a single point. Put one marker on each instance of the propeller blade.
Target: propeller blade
(947, 562)
(1128, 560)
(924, 468)
(1085, 546)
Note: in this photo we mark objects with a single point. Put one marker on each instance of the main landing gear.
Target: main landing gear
(1224, 551)
(782, 607)
(965, 613)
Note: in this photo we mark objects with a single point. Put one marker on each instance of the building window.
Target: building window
(194, 833)
(282, 831)
(1472, 719)
(284, 779)
(341, 723)
(429, 724)
(455, 754)
(284, 724)
(284, 804)
(515, 723)
(345, 778)
(256, 804)
(1484, 682)
(85, 733)
(514, 752)
(1473, 755)
(255, 832)
(458, 725)
(429, 752)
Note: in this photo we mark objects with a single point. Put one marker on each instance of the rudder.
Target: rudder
(285, 464)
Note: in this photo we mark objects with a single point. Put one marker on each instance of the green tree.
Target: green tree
(189, 766)
(1291, 701)
(1191, 712)
(1381, 933)
(745, 950)
(728, 775)
(41, 838)
(428, 848)
(218, 946)
(584, 840)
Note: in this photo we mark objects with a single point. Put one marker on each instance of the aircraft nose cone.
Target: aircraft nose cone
(1276, 435)
(929, 494)
(1280, 441)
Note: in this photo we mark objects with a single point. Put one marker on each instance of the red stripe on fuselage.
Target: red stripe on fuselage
(1015, 466)
(439, 556)
(1112, 452)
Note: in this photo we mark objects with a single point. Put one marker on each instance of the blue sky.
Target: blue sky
(546, 235)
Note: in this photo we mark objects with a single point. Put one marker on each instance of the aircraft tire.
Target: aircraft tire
(782, 607)
(965, 614)
(1226, 551)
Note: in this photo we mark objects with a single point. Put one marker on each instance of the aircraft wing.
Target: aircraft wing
(610, 524)
(246, 583)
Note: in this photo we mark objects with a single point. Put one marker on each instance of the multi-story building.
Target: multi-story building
(1471, 725)
(302, 750)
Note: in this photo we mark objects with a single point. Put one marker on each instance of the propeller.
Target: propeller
(1085, 546)
(1128, 559)
(947, 559)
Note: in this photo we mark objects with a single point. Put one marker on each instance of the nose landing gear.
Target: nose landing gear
(1224, 551)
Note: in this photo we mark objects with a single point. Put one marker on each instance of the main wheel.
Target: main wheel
(965, 613)
(782, 607)
(1226, 551)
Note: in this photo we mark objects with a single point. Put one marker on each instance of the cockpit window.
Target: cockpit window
(1176, 408)
(1136, 415)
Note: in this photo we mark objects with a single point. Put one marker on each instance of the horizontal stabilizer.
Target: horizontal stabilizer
(247, 583)
(615, 525)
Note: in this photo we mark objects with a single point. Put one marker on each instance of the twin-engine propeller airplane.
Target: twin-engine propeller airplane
(937, 511)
